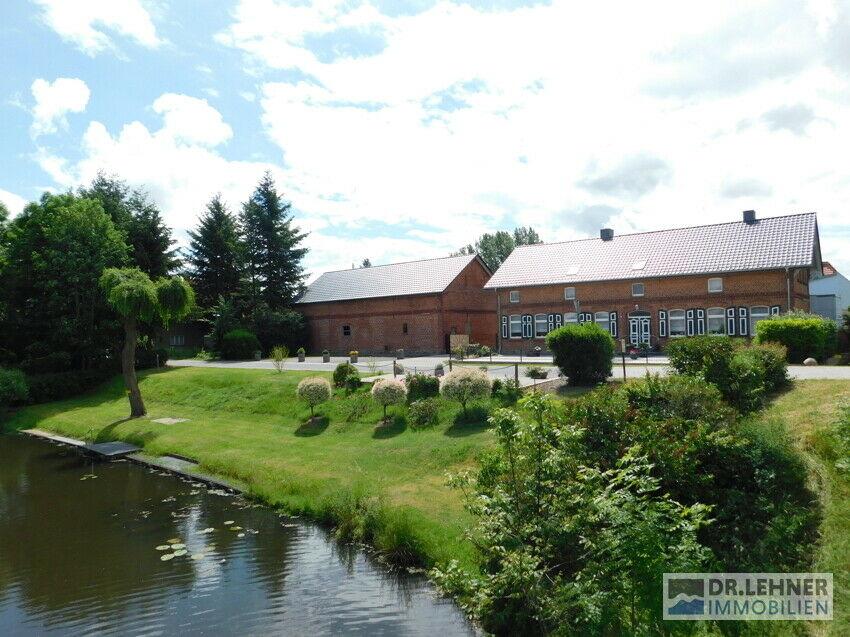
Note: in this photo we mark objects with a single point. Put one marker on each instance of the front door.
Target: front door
(638, 328)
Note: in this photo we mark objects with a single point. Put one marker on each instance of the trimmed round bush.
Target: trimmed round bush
(423, 413)
(773, 358)
(314, 391)
(388, 392)
(343, 371)
(583, 352)
(239, 344)
(692, 355)
(802, 334)
(465, 385)
(537, 372)
(13, 387)
(421, 386)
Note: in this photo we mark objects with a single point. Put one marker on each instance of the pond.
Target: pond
(90, 555)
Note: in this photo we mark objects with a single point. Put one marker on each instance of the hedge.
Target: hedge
(583, 352)
(45, 388)
(804, 335)
(239, 344)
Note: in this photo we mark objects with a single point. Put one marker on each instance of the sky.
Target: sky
(404, 129)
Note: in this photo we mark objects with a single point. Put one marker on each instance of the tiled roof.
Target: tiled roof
(770, 243)
(429, 276)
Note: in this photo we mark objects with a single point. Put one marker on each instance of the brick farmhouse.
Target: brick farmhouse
(414, 306)
(653, 286)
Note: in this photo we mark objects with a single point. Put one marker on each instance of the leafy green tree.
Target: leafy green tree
(112, 193)
(137, 299)
(366, 263)
(215, 255)
(272, 248)
(149, 238)
(56, 250)
(495, 248)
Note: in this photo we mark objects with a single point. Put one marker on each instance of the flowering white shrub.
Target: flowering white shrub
(314, 391)
(465, 385)
(389, 391)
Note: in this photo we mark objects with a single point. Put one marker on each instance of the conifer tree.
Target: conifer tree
(214, 258)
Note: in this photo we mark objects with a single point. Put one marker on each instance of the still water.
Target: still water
(80, 557)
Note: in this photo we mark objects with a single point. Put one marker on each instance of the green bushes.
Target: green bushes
(465, 385)
(388, 392)
(314, 391)
(423, 413)
(44, 388)
(420, 386)
(582, 352)
(13, 387)
(584, 505)
(148, 357)
(239, 344)
(803, 335)
(47, 364)
(342, 372)
(743, 374)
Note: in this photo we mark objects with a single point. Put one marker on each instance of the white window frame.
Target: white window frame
(569, 294)
(642, 289)
(712, 279)
(603, 322)
(513, 296)
(715, 314)
(541, 320)
(570, 317)
(673, 315)
(755, 316)
(515, 320)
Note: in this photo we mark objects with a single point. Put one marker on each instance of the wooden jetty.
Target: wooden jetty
(102, 449)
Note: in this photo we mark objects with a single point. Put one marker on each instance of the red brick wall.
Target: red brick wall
(744, 289)
(377, 324)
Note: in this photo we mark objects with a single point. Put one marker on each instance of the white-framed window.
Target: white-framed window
(758, 313)
(603, 320)
(715, 284)
(569, 294)
(637, 289)
(541, 325)
(716, 320)
(514, 296)
(177, 340)
(570, 317)
(676, 323)
(516, 325)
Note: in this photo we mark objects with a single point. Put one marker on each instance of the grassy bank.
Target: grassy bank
(809, 413)
(384, 485)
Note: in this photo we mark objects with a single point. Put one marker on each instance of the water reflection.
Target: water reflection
(80, 556)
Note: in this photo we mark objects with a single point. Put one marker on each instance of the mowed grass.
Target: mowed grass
(384, 484)
(809, 412)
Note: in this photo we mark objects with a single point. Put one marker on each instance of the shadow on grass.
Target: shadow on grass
(313, 427)
(395, 425)
(106, 434)
(473, 422)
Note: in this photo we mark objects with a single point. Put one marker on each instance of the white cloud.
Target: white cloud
(178, 162)
(14, 203)
(465, 120)
(53, 100)
(83, 22)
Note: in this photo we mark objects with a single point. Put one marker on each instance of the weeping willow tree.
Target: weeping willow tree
(137, 299)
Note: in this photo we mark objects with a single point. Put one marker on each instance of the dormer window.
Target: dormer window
(637, 289)
(569, 294)
(715, 284)
(514, 296)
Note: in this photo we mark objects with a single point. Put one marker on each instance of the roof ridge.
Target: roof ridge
(387, 265)
(632, 234)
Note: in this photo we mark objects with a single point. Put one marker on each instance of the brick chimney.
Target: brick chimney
(749, 216)
(606, 234)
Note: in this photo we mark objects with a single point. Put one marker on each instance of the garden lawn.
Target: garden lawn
(385, 485)
(809, 412)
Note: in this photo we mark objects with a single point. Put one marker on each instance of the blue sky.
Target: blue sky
(403, 130)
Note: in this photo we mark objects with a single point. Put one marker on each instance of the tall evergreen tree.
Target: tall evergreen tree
(272, 248)
(495, 248)
(112, 193)
(214, 256)
(149, 238)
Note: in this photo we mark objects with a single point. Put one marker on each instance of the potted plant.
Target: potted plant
(633, 352)
(301, 354)
(400, 353)
(353, 354)
(536, 351)
(644, 349)
(438, 370)
(398, 370)
(326, 356)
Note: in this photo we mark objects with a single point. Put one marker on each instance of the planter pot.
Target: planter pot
(438, 372)
(301, 358)
(258, 355)
(326, 358)
(400, 353)
(633, 355)
(353, 359)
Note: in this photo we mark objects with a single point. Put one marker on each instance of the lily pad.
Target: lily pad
(198, 556)
(229, 521)
(235, 528)
(166, 557)
(163, 547)
(174, 540)
(208, 530)
(180, 552)
(178, 546)
(240, 535)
